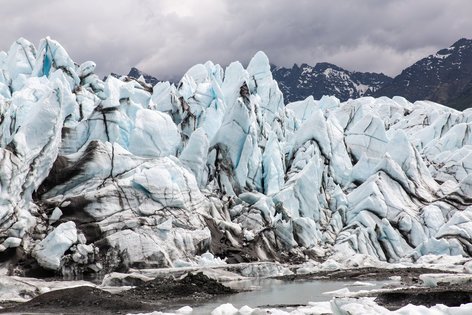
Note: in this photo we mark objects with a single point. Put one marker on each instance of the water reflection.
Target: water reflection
(272, 292)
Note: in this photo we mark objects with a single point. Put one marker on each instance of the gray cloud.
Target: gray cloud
(166, 37)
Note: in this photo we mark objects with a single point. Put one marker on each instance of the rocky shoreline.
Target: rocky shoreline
(158, 294)
(171, 292)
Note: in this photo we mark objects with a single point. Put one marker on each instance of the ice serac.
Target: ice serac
(50, 250)
(103, 175)
(52, 56)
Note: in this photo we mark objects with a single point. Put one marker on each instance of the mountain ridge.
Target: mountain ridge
(325, 78)
(444, 77)
(135, 73)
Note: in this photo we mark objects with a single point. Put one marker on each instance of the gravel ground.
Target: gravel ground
(158, 294)
(164, 293)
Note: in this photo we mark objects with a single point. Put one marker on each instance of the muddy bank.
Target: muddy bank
(79, 300)
(191, 288)
(450, 295)
(158, 294)
(368, 273)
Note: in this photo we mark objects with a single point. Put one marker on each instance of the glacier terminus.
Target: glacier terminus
(106, 175)
(96, 174)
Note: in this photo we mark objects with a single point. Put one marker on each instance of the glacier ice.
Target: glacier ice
(50, 250)
(105, 174)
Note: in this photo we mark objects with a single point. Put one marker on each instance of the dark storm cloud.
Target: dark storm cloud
(166, 37)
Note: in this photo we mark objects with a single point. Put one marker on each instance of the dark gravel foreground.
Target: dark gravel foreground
(166, 293)
(158, 294)
(450, 295)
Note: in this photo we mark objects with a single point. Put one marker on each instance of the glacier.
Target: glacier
(103, 175)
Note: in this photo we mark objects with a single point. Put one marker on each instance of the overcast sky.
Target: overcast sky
(166, 37)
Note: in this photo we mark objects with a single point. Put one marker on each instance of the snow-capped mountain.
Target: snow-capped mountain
(104, 175)
(299, 82)
(445, 77)
(135, 73)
